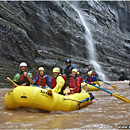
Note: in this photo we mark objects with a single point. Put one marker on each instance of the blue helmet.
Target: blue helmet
(68, 61)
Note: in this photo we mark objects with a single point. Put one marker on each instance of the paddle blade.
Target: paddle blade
(122, 98)
(12, 81)
(114, 87)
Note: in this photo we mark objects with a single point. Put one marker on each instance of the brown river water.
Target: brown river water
(106, 112)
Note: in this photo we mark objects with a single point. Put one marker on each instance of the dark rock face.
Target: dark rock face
(110, 28)
(47, 33)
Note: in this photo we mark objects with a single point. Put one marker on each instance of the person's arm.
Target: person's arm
(94, 80)
(29, 76)
(73, 66)
(60, 83)
(35, 79)
(63, 70)
(48, 81)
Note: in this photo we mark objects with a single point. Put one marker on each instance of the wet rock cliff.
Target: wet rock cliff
(47, 33)
(111, 31)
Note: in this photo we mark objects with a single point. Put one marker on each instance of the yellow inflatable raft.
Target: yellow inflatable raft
(89, 87)
(92, 88)
(34, 97)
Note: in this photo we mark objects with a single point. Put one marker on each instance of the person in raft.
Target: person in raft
(58, 81)
(74, 83)
(90, 69)
(41, 79)
(67, 70)
(91, 79)
(23, 78)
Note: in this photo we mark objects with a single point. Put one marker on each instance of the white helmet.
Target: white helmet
(40, 68)
(75, 70)
(23, 64)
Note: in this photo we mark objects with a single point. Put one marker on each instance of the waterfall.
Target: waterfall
(91, 47)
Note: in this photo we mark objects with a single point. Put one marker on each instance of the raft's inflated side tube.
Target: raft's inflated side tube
(34, 97)
(92, 88)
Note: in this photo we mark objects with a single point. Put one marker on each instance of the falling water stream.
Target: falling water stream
(90, 44)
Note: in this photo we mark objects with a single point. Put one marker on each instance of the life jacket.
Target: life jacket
(73, 82)
(53, 81)
(23, 79)
(92, 79)
(89, 79)
(41, 80)
(68, 70)
(81, 80)
(64, 78)
(35, 75)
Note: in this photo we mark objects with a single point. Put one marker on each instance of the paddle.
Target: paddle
(83, 76)
(12, 81)
(108, 84)
(115, 95)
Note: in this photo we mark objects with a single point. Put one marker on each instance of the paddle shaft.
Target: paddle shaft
(103, 81)
(106, 83)
(83, 76)
(12, 81)
(102, 89)
(115, 95)
(109, 84)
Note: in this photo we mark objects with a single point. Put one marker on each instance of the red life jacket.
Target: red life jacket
(23, 79)
(64, 78)
(35, 75)
(75, 83)
(81, 80)
(41, 80)
(72, 82)
(89, 79)
(53, 81)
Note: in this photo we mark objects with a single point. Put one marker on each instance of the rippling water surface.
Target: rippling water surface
(105, 113)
